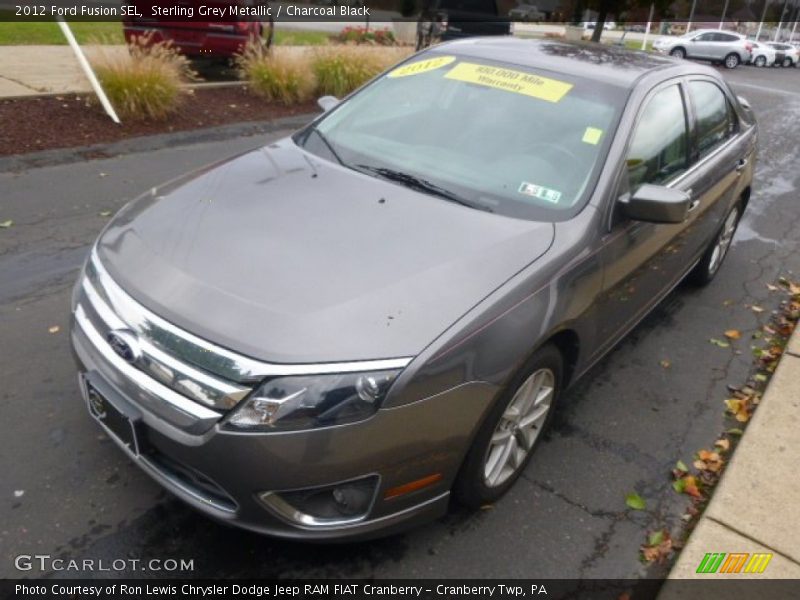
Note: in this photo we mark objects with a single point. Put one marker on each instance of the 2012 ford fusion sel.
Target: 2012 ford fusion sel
(329, 336)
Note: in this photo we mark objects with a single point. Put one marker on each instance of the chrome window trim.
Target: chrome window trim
(181, 403)
(242, 369)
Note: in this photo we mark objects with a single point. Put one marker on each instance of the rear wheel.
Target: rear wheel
(678, 52)
(760, 61)
(709, 265)
(511, 432)
(732, 61)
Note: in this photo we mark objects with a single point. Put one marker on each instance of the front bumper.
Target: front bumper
(186, 448)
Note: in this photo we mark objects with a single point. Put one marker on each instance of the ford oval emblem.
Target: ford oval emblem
(125, 343)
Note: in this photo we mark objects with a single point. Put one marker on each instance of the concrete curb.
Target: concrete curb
(756, 506)
(46, 158)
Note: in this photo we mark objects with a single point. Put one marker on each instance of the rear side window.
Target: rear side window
(715, 120)
(658, 151)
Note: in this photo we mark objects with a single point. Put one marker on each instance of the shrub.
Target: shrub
(341, 69)
(362, 35)
(145, 82)
(281, 74)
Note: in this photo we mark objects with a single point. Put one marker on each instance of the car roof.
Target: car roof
(614, 65)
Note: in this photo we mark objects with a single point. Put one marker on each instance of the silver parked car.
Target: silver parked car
(726, 47)
(327, 336)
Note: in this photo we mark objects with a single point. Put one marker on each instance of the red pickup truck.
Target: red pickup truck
(193, 37)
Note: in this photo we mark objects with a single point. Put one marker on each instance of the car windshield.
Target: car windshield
(494, 136)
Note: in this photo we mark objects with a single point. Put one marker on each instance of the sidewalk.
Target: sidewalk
(756, 506)
(34, 70)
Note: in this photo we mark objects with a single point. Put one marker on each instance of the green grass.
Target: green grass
(26, 34)
(637, 45)
(299, 38)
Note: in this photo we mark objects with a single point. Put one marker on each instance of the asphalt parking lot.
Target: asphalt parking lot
(69, 492)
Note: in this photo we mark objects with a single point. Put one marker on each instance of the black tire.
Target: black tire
(732, 61)
(705, 271)
(678, 52)
(760, 61)
(470, 488)
(787, 62)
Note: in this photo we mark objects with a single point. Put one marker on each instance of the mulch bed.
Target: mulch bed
(49, 122)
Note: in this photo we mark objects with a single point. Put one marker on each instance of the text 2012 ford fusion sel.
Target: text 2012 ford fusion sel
(329, 336)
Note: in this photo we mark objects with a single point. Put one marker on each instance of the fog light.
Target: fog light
(332, 505)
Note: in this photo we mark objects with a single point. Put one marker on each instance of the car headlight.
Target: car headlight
(310, 401)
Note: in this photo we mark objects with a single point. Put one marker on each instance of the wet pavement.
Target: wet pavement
(69, 492)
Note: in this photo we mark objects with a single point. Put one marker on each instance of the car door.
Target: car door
(719, 155)
(700, 46)
(642, 260)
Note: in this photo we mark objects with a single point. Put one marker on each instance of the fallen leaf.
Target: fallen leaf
(105, 213)
(658, 546)
(735, 431)
(6, 224)
(19, 493)
(733, 334)
(771, 287)
(681, 466)
(54, 329)
(723, 444)
(719, 343)
(756, 309)
(655, 538)
(665, 363)
(760, 377)
(635, 501)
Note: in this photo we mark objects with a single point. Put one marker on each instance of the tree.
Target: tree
(618, 7)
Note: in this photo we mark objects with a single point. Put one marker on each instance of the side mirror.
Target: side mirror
(744, 103)
(657, 204)
(327, 102)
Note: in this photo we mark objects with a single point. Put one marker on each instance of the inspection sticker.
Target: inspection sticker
(592, 135)
(539, 191)
(510, 80)
(422, 66)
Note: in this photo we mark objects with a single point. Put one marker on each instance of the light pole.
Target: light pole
(724, 12)
(761, 22)
(691, 16)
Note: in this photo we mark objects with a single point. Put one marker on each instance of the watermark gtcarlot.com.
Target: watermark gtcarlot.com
(46, 562)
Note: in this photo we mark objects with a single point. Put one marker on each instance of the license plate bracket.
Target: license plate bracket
(115, 422)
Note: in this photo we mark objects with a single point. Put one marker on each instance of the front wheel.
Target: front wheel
(760, 61)
(511, 431)
(732, 61)
(678, 53)
(787, 62)
(709, 265)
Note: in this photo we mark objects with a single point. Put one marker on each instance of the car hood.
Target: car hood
(288, 258)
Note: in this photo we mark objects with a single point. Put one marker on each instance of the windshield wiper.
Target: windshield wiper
(421, 185)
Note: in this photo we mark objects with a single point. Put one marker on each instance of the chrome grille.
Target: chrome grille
(188, 365)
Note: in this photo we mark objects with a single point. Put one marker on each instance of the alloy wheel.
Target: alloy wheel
(723, 241)
(519, 427)
(732, 61)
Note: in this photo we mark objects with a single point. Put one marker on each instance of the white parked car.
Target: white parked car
(726, 47)
(762, 55)
(787, 55)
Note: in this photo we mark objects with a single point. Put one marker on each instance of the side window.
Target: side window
(658, 151)
(715, 122)
(705, 37)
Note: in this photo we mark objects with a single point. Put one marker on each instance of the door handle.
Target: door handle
(694, 204)
(741, 165)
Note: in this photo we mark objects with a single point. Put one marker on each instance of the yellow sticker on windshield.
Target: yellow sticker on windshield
(592, 135)
(422, 66)
(510, 80)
